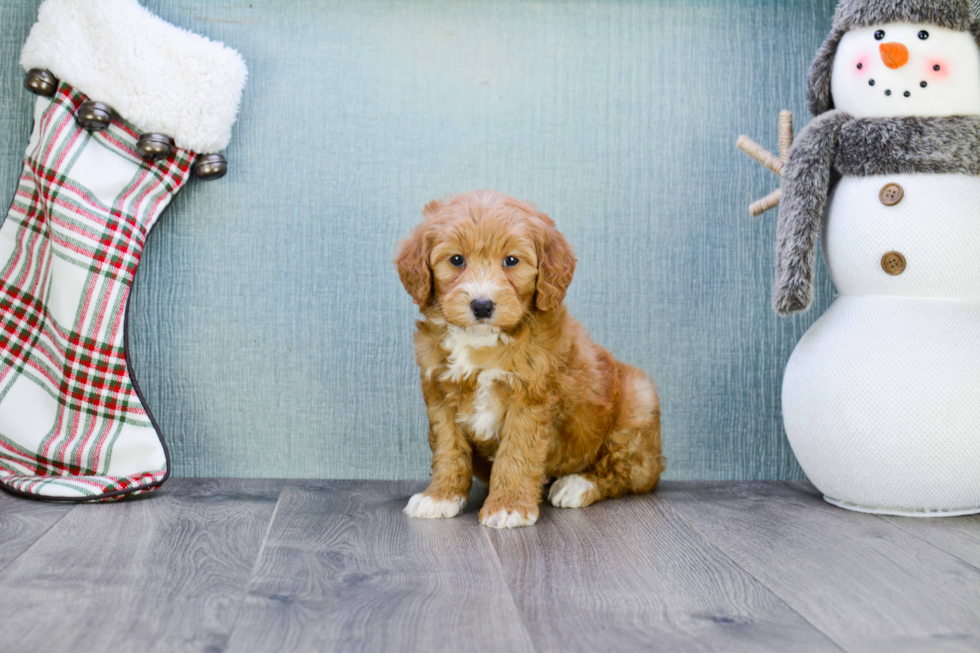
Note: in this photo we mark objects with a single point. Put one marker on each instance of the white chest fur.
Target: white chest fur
(459, 344)
(485, 415)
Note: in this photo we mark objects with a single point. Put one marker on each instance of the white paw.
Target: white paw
(508, 519)
(569, 491)
(421, 506)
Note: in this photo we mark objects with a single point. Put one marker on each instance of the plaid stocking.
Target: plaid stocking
(73, 425)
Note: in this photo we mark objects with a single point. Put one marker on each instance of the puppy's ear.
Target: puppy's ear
(413, 265)
(556, 266)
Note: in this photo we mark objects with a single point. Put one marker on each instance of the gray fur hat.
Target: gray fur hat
(855, 14)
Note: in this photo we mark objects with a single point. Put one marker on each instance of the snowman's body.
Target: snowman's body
(881, 398)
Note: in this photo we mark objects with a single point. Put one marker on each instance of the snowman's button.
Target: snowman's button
(893, 263)
(891, 194)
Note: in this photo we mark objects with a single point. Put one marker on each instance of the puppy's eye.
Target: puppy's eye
(457, 261)
(511, 261)
(879, 35)
(923, 35)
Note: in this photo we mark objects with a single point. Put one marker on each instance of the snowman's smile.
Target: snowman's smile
(907, 94)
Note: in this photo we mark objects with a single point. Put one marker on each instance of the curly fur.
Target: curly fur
(523, 395)
(556, 267)
(834, 145)
(855, 14)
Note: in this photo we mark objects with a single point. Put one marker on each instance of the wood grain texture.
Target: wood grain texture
(959, 536)
(165, 572)
(630, 575)
(865, 583)
(22, 522)
(266, 303)
(697, 567)
(344, 570)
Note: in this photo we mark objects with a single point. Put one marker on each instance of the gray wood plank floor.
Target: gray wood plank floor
(865, 583)
(23, 522)
(632, 573)
(257, 565)
(344, 570)
(156, 573)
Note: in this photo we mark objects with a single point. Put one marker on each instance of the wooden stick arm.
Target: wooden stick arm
(785, 134)
(760, 154)
(767, 203)
(770, 160)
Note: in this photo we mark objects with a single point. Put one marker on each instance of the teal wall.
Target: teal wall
(269, 331)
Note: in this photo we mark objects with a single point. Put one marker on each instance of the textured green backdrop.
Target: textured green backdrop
(269, 331)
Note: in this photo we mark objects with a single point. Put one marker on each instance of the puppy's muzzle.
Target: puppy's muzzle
(482, 308)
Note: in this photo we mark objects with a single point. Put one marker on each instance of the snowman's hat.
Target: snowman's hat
(855, 14)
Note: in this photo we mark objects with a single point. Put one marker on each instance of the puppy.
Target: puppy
(516, 391)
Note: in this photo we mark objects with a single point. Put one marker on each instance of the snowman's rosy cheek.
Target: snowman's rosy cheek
(936, 69)
(861, 65)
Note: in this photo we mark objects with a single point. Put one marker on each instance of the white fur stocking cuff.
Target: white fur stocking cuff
(159, 77)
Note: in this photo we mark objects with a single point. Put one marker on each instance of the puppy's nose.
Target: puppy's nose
(895, 55)
(482, 308)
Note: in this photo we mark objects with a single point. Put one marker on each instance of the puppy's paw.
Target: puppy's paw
(508, 519)
(422, 506)
(572, 491)
(497, 513)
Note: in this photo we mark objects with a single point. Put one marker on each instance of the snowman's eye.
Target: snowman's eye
(879, 35)
(923, 35)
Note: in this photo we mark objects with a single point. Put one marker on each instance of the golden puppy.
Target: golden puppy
(515, 389)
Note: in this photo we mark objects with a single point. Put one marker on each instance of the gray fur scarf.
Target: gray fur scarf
(836, 144)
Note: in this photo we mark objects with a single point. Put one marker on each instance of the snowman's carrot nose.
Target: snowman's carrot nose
(895, 55)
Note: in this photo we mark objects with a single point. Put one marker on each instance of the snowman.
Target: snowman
(881, 397)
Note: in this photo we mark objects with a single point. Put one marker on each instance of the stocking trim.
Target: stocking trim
(159, 77)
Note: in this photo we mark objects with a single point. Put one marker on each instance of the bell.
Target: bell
(152, 147)
(94, 116)
(40, 82)
(211, 166)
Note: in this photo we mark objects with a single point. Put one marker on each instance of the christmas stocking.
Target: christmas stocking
(128, 106)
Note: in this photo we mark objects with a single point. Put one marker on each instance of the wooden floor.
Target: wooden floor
(234, 565)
